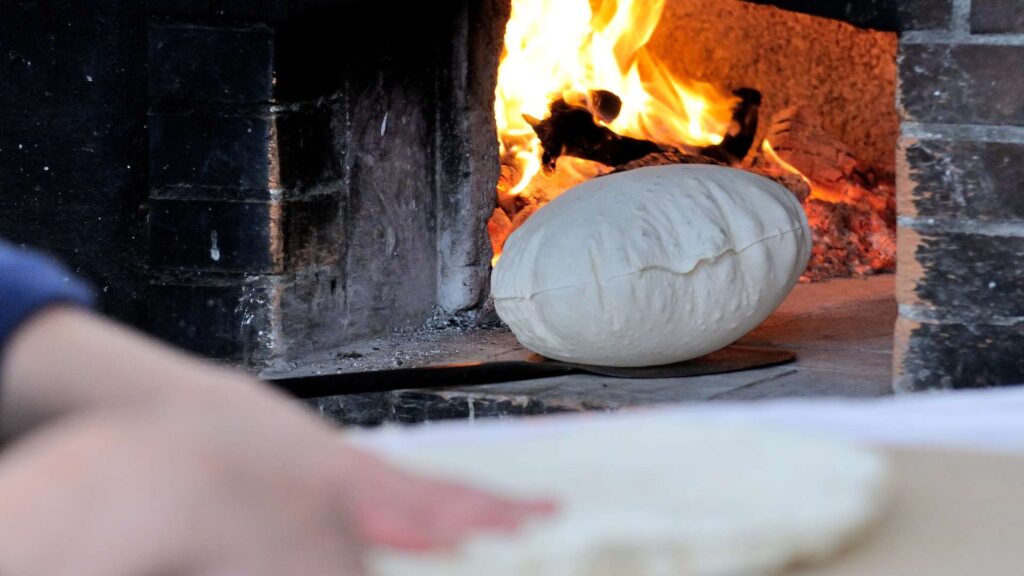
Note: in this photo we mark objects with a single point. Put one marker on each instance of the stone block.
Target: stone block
(210, 150)
(231, 320)
(970, 276)
(997, 17)
(961, 179)
(955, 356)
(962, 83)
(207, 64)
(241, 237)
(922, 14)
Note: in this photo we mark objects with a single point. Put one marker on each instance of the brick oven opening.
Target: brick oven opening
(553, 93)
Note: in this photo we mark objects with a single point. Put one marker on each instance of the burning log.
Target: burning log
(605, 105)
(572, 131)
(738, 141)
(851, 210)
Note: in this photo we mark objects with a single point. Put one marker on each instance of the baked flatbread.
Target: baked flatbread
(671, 499)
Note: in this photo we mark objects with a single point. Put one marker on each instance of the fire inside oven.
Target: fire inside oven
(591, 87)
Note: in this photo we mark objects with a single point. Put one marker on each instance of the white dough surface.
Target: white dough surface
(659, 499)
(651, 266)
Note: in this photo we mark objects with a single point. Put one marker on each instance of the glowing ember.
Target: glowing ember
(769, 152)
(852, 218)
(817, 192)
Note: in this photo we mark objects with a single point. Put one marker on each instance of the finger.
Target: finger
(398, 531)
(460, 519)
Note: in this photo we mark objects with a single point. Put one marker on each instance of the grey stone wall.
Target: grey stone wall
(960, 189)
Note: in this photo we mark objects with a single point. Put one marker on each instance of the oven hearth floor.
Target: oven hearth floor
(841, 330)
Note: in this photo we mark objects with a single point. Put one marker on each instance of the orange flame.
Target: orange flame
(568, 48)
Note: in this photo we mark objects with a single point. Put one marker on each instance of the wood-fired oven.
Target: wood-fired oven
(264, 181)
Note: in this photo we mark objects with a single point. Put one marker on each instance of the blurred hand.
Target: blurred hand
(149, 462)
(164, 493)
(400, 510)
(171, 493)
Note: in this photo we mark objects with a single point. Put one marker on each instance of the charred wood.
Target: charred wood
(571, 131)
(738, 141)
(605, 105)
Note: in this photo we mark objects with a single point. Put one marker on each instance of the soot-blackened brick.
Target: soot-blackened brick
(972, 274)
(310, 148)
(962, 83)
(947, 356)
(211, 235)
(209, 150)
(206, 64)
(41, 60)
(251, 10)
(178, 7)
(923, 14)
(313, 230)
(72, 135)
(997, 17)
(364, 410)
(964, 179)
(312, 56)
(69, 154)
(263, 10)
(229, 320)
(313, 310)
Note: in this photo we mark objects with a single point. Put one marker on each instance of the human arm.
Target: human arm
(120, 422)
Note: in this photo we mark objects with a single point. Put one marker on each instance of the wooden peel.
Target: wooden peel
(730, 359)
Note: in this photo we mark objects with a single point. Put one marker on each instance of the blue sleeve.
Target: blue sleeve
(30, 282)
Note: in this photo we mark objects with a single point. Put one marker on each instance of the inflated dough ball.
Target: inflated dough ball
(651, 266)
